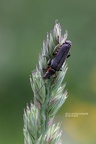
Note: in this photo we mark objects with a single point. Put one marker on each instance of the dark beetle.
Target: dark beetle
(58, 60)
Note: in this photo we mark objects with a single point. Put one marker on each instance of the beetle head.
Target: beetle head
(68, 42)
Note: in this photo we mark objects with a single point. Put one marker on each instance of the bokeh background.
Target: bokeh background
(23, 27)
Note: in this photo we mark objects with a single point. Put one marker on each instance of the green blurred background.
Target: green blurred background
(23, 27)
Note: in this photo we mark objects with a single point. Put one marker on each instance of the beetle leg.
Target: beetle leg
(60, 69)
(56, 49)
(44, 69)
(68, 55)
(48, 65)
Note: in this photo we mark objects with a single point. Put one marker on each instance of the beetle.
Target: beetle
(57, 62)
